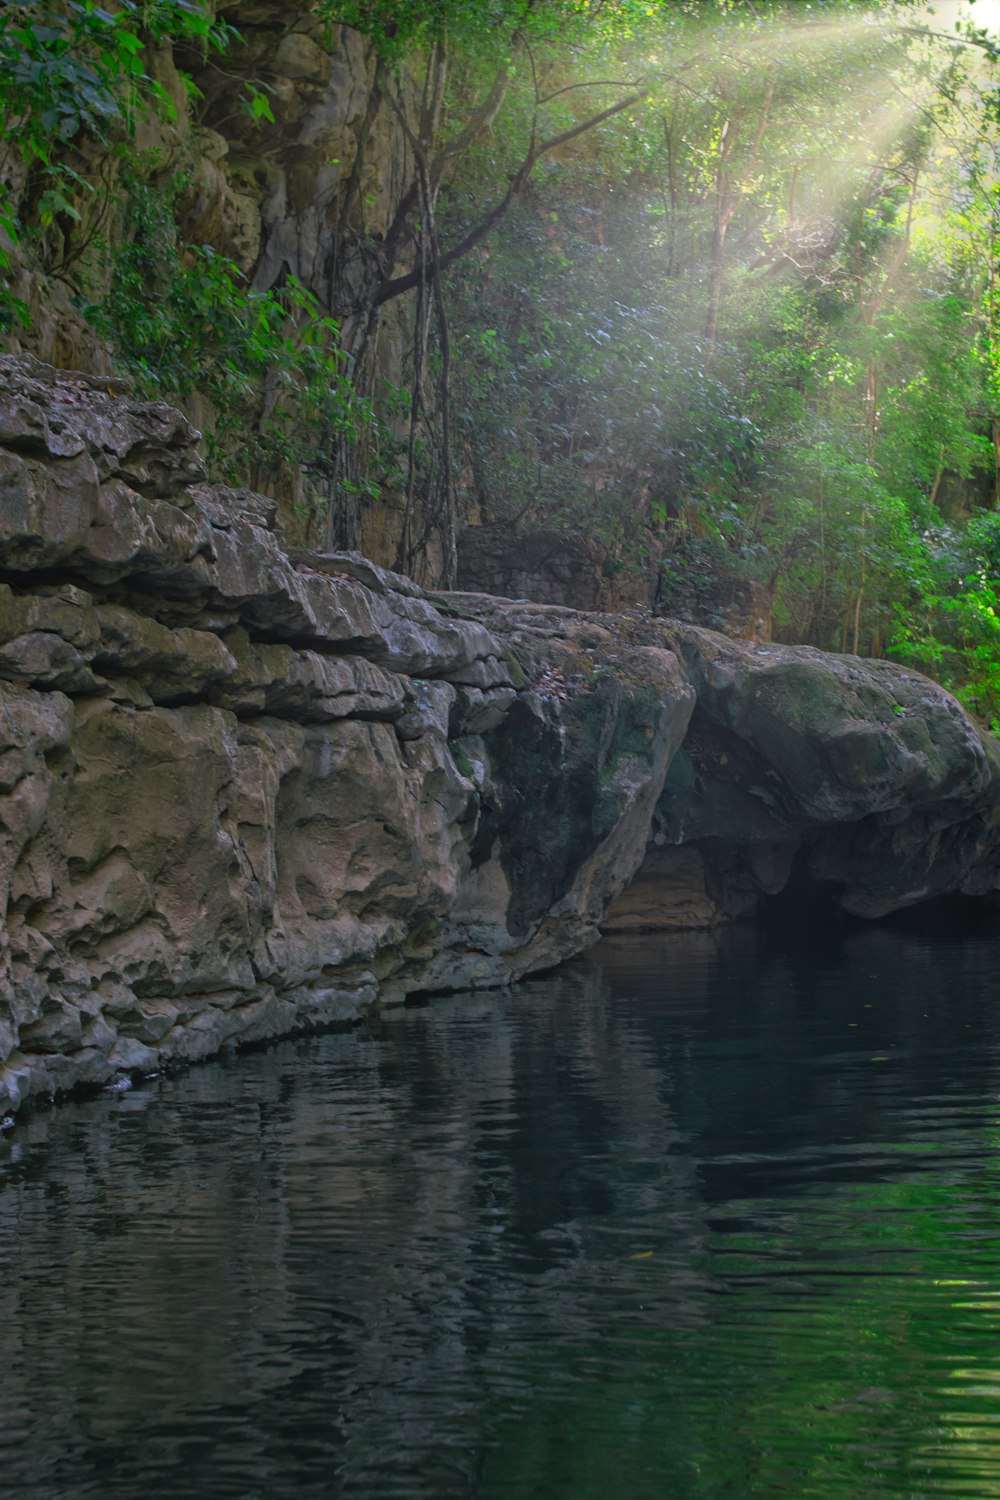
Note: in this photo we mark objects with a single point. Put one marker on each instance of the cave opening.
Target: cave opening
(809, 907)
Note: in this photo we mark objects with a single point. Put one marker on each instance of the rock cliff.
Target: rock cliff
(244, 792)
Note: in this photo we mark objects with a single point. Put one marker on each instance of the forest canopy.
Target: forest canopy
(714, 283)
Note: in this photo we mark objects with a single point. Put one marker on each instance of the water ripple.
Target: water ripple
(707, 1218)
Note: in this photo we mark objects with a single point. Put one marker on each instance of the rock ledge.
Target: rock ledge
(244, 793)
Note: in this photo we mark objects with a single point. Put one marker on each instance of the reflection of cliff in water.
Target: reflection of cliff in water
(356, 1221)
(775, 1006)
(340, 1263)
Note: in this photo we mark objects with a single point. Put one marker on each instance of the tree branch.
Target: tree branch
(481, 119)
(397, 285)
(955, 38)
(590, 83)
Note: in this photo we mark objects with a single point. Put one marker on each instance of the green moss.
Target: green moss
(462, 763)
(518, 675)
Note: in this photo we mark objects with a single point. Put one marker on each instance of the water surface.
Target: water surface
(698, 1217)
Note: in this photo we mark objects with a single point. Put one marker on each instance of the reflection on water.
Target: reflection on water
(699, 1217)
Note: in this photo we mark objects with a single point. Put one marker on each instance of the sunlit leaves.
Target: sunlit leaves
(831, 152)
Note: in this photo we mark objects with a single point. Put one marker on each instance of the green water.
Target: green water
(695, 1218)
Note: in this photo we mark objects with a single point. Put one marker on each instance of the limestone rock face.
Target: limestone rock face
(243, 792)
(842, 738)
(268, 195)
(561, 567)
(859, 774)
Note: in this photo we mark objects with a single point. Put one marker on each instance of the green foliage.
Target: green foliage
(809, 439)
(397, 27)
(955, 633)
(847, 553)
(82, 67)
(590, 403)
(269, 364)
(72, 70)
(746, 330)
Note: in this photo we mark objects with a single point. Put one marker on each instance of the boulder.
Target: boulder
(861, 775)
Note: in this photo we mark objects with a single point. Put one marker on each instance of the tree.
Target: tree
(717, 282)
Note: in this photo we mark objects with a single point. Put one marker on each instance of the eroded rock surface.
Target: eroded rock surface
(244, 792)
(860, 774)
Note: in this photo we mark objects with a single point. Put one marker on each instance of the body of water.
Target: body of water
(693, 1217)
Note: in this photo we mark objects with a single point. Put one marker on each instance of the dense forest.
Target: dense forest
(709, 283)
